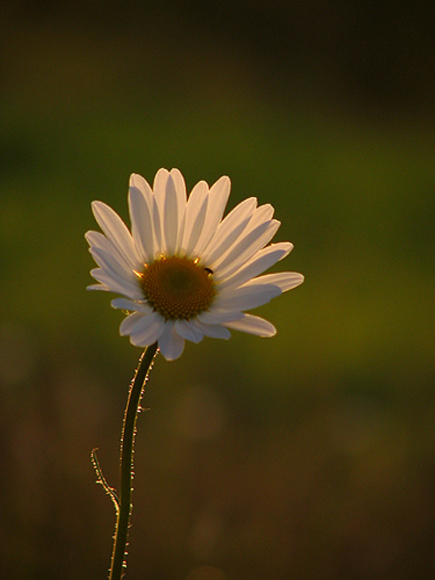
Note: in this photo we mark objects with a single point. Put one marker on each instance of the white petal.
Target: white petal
(159, 188)
(171, 344)
(246, 248)
(247, 297)
(239, 214)
(221, 249)
(99, 240)
(258, 216)
(263, 213)
(261, 216)
(284, 280)
(286, 246)
(188, 331)
(132, 305)
(116, 273)
(157, 229)
(142, 185)
(219, 316)
(212, 330)
(196, 210)
(129, 323)
(253, 325)
(180, 188)
(109, 262)
(147, 330)
(159, 184)
(149, 238)
(118, 285)
(171, 218)
(141, 224)
(115, 230)
(98, 287)
(263, 260)
(218, 198)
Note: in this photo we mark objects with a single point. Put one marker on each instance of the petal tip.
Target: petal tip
(96, 204)
(270, 334)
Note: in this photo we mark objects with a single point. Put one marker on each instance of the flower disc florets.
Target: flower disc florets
(178, 288)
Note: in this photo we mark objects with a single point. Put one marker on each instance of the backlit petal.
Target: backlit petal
(212, 330)
(147, 330)
(116, 284)
(241, 213)
(218, 198)
(196, 210)
(247, 297)
(171, 344)
(141, 223)
(263, 260)
(188, 331)
(115, 230)
(284, 280)
(253, 325)
(246, 248)
(171, 217)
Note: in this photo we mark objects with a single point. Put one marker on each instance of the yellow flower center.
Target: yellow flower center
(177, 287)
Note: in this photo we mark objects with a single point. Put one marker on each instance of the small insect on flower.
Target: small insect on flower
(184, 271)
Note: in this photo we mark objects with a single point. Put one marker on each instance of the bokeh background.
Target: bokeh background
(308, 456)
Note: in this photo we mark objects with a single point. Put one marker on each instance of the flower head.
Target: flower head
(183, 271)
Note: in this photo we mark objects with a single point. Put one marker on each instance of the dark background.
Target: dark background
(308, 456)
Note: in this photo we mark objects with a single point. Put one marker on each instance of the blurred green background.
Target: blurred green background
(308, 456)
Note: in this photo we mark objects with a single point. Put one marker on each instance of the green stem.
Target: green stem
(118, 564)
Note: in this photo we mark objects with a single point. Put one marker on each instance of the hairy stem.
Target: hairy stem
(118, 564)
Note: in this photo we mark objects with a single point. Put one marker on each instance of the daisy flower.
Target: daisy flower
(184, 271)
